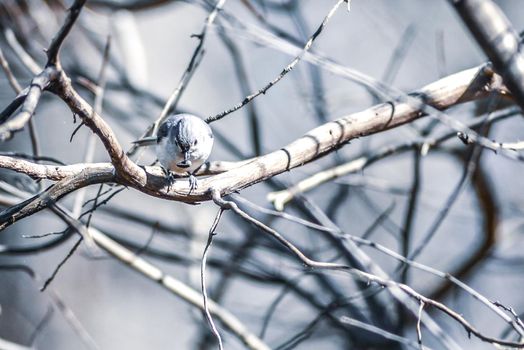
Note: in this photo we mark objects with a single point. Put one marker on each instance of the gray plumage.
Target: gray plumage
(183, 144)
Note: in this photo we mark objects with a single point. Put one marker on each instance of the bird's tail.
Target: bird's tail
(146, 141)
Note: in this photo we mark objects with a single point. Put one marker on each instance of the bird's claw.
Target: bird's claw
(193, 183)
(169, 177)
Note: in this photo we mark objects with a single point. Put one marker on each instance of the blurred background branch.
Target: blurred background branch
(398, 214)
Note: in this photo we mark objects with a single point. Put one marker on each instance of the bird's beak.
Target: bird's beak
(186, 163)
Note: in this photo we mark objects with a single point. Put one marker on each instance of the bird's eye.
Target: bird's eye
(195, 143)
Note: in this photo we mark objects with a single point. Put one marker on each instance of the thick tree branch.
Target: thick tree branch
(281, 198)
(125, 168)
(461, 87)
(496, 36)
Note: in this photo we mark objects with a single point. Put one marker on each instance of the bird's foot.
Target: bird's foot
(193, 183)
(170, 178)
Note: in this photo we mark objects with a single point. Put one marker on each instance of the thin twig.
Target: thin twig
(365, 276)
(286, 70)
(54, 48)
(209, 318)
(381, 332)
(97, 108)
(194, 62)
(60, 264)
(419, 318)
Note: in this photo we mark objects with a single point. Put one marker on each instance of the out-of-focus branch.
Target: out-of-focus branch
(369, 277)
(496, 36)
(178, 288)
(487, 203)
(9, 345)
(38, 84)
(130, 5)
(9, 74)
(23, 56)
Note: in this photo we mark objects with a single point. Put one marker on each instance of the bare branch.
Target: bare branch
(286, 70)
(54, 48)
(281, 198)
(23, 56)
(9, 74)
(320, 141)
(496, 36)
(38, 84)
(369, 277)
(52, 172)
(52, 195)
(178, 288)
(203, 278)
(381, 332)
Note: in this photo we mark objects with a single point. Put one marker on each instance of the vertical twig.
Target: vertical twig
(194, 62)
(409, 219)
(209, 318)
(419, 319)
(97, 108)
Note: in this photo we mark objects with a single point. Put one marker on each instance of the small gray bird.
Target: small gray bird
(183, 144)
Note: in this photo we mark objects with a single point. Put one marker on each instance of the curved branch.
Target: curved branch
(125, 168)
(30, 102)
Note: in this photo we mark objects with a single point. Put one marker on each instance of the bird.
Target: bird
(183, 143)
